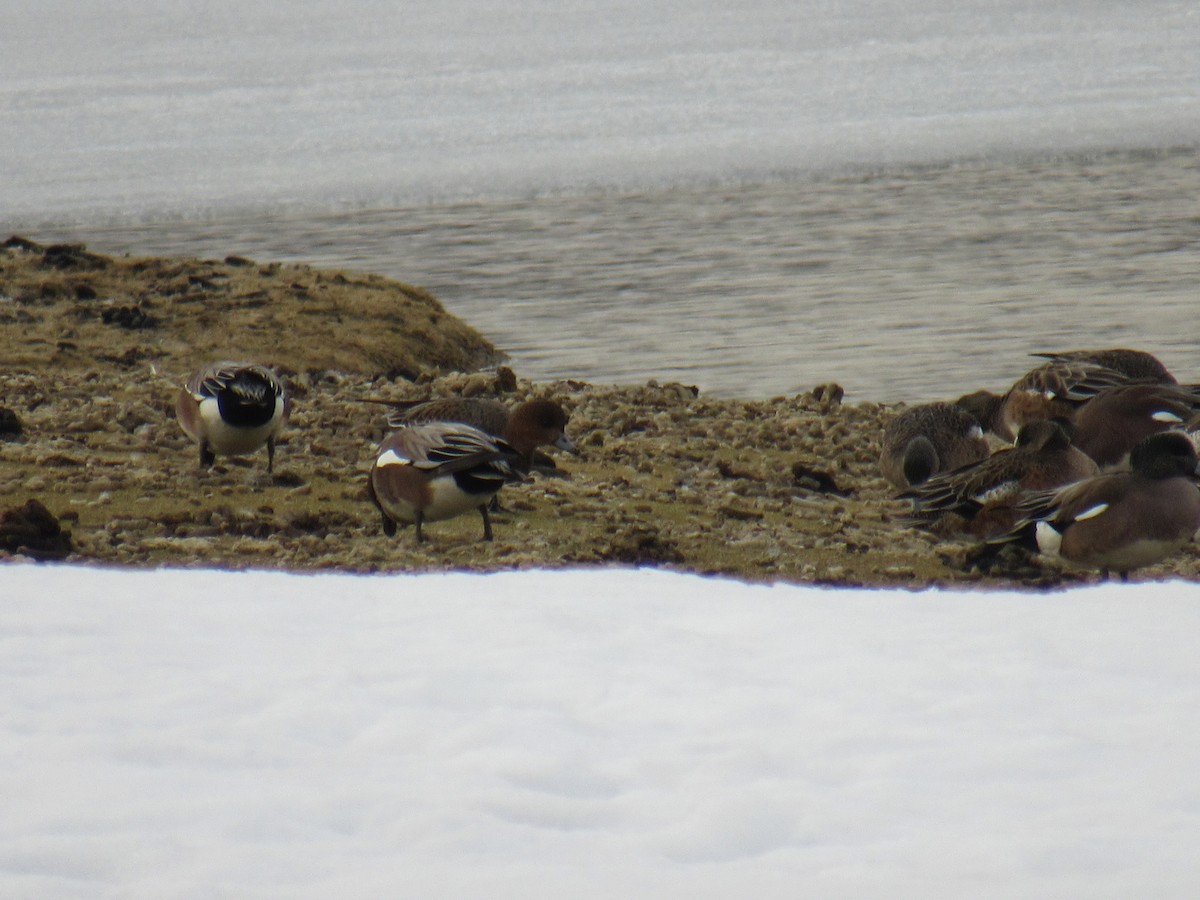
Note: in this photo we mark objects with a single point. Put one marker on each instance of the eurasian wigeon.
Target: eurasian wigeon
(1112, 423)
(929, 438)
(233, 408)
(1120, 521)
(526, 427)
(980, 499)
(427, 473)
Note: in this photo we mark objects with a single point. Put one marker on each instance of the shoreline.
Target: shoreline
(894, 284)
(777, 489)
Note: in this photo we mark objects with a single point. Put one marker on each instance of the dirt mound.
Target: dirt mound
(62, 307)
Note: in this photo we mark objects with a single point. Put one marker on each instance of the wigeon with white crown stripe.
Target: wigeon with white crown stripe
(233, 409)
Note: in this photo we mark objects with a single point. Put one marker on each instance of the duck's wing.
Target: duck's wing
(444, 448)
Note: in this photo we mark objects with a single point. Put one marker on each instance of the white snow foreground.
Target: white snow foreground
(591, 734)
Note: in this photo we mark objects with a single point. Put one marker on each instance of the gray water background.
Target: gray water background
(912, 285)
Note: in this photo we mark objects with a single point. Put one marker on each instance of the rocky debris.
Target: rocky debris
(16, 242)
(814, 480)
(10, 425)
(128, 317)
(72, 256)
(32, 530)
(828, 395)
(637, 543)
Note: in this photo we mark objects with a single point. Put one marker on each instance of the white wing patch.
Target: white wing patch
(391, 458)
(1091, 512)
(1165, 415)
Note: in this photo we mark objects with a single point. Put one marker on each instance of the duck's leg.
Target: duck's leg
(487, 522)
(270, 453)
(207, 457)
(389, 524)
(417, 520)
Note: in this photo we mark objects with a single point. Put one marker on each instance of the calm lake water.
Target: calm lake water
(905, 285)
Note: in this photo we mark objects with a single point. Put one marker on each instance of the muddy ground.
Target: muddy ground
(94, 348)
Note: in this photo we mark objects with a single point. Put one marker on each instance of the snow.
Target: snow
(591, 733)
(597, 733)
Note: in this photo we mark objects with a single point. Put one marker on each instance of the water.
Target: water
(915, 284)
(905, 196)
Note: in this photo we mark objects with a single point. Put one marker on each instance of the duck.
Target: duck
(233, 409)
(1119, 521)
(1052, 390)
(981, 498)
(438, 470)
(1137, 365)
(929, 438)
(1109, 425)
(983, 406)
(527, 427)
